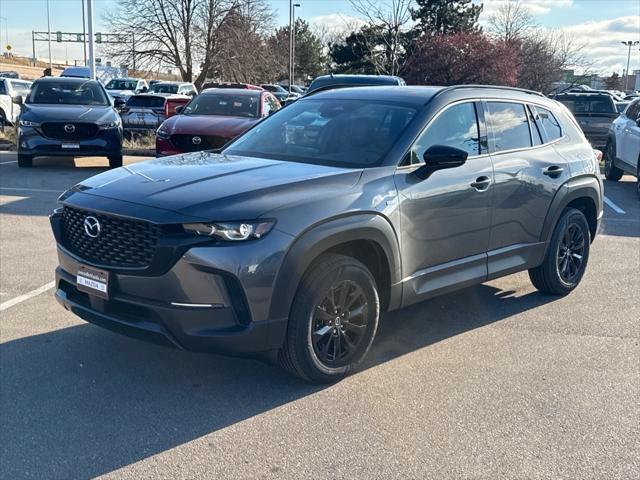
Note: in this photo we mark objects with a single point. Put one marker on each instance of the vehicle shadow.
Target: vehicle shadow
(80, 401)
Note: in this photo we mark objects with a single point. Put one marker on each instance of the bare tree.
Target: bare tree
(388, 22)
(511, 22)
(185, 34)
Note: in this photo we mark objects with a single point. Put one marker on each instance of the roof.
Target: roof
(420, 95)
(232, 91)
(65, 79)
(325, 81)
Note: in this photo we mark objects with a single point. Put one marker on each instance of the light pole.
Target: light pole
(92, 56)
(49, 37)
(630, 43)
(293, 48)
(291, 41)
(84, 34)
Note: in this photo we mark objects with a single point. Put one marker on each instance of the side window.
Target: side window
(3, 89)
(549, 124)
(266, 105)
(456, 127)
(633, 110)
(534, 121)
(509, 125)
(275, 105)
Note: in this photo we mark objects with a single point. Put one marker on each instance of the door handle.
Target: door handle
(481, 184)
(553, 171)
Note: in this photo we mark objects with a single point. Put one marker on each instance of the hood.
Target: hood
(68, 113)
(218, 187)
(228, 127)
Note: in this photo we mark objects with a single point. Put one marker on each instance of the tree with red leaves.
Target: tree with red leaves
(462, 58)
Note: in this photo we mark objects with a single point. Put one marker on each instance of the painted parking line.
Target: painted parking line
(28, 189)
(26, 296)
(613, 206)
(7, 163)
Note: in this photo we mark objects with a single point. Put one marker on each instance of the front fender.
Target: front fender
(326, 235)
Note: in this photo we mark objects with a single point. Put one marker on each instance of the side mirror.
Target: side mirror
(439, 157)
(118, 103)
(179, 109)
(17, 100)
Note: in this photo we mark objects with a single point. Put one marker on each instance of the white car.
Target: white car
(10, 88)
(623, 145)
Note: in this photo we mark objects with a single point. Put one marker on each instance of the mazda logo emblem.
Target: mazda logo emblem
(69, 128)
(91, 226)
(196, 140)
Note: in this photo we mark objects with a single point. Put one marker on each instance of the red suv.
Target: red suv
(212, 119)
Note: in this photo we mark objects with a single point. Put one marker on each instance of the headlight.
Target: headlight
(231, 231)
(107, 125)
(27, 123)
(162, 133)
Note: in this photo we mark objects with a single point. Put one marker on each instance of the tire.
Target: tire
(555, 275)
(115, 161)
(319, 347)
(611, 172)
(25, 161)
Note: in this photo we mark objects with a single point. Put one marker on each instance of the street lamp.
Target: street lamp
(630, 43)
(292, 6)
(49, 37)
(293, 48)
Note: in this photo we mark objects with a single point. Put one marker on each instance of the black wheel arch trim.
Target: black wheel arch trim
(326, 235)
(587, 186)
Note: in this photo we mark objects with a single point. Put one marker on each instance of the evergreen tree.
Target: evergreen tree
(438, 17)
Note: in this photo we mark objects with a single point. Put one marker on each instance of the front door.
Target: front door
(445, 219)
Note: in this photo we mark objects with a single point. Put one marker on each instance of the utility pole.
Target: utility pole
(92, 56)
(49, 34)
(84, 34)
(630, 43)
(33, 44)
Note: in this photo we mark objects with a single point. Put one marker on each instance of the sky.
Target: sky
(599, 24)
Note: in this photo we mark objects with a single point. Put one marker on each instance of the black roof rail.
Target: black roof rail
(494, 87)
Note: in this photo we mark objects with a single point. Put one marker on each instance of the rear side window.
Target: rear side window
(549, 124)
(145, 102)
(3, 90)
(536, 134)
(456, 127)
(509, 125)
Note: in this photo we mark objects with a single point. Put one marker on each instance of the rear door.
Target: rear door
(144, 112)
(528, 172)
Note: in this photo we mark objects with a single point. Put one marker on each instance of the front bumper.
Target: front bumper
(206, 301)
(106, 143)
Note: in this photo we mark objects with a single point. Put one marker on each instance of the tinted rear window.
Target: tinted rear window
(147, 102)
(509, 126)
(164, 88)
(595, 104)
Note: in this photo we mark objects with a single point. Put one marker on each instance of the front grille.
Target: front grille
(81, 131)
(185, 143)
(120, 243)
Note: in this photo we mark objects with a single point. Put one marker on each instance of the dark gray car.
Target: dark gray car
(292, 240)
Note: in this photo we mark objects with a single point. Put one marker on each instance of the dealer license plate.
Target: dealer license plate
(70, 146)
(93, 281)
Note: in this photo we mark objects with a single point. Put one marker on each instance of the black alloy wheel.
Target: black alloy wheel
(339, 324)
(570, 253)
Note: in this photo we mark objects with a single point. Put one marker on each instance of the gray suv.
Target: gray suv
(290, 242)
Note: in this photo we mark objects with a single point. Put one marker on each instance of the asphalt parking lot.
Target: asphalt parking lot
(496, 381)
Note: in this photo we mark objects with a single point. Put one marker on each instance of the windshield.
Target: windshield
(224, 104)
(68, 93)
(122, 84)
(347, 133)
(21, 88)
(164, 88)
